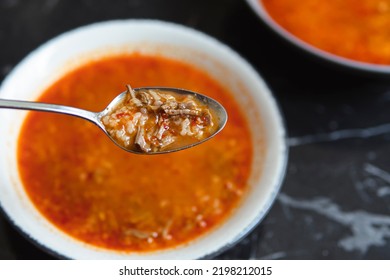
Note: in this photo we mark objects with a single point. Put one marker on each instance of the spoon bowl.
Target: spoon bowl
(218, 110)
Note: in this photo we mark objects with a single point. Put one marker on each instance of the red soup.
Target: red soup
(354, 29)
(97, 193)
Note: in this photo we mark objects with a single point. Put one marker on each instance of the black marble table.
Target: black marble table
(335, 200)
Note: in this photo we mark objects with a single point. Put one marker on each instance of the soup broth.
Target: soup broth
(99, 194)
(357, 30)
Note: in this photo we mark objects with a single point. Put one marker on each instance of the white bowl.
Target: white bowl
(260, 10)
(59, 55)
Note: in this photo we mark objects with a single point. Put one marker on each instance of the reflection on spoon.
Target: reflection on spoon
(148, 120)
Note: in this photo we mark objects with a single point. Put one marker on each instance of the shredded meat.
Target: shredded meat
(152, 120)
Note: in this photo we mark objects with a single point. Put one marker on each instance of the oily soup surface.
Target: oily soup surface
(98, 193)
(355, 29)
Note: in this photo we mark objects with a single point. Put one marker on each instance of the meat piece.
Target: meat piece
(145, 98)
(174, 112)
(140, 140)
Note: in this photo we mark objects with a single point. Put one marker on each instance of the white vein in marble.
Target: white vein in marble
(378, 181)
(367, 229)
(376, 171)
(339, 135)
(274, 256)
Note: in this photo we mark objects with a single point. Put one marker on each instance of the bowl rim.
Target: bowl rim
(283, 134)
(259, 9)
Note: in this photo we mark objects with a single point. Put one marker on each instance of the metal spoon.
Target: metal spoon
(95, 117)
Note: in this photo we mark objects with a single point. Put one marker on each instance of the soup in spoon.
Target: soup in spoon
(154, 120)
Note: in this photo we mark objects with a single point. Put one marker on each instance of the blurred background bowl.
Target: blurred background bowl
(258, 7)
(70, 50)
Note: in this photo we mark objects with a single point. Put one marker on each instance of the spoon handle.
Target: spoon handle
(37, 106)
